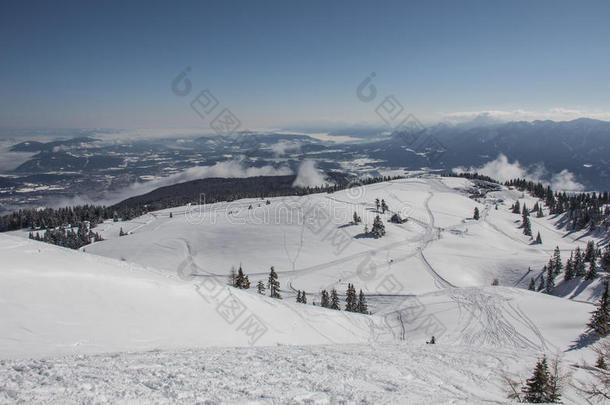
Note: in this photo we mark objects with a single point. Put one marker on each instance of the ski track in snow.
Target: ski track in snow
(490, 331)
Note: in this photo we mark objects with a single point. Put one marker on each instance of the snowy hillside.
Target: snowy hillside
(57, 301)
(313, 244)
(157, 300)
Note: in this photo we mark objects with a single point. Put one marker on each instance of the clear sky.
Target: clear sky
(111, 64)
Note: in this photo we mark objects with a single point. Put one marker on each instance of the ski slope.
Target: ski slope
(313, 245)
(148, 317)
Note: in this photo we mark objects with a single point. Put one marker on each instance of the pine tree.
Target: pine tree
(538, 239)
(362, 306)
(357, 219)
(516, 208)
(570, 273)
(334, 300)
(260, 287)
(378, 229)
(246, 284)
(351, 303)
(600, 318)
(557, 265)
(325, 300)
(539, 212)
(550, 280)
(273, 284)
(590, 252)
(532, 286)
(240, 278)
(592, 273)
(579, 263)
(527, 227)
(536, 388)
(476, 214)
(384, 206)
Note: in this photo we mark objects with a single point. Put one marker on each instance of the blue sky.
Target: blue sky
(277, 64)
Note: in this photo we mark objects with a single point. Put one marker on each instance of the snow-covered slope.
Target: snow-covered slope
(163, 288)
(313, 245)
(58, 301)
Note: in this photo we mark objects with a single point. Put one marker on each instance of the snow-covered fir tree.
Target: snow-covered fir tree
(600, 318)
(592, 272)
(273, 284)
(325, 300)
(378, 229)
(362, 306)
(334, 300)
(260, 287)
(351, 301)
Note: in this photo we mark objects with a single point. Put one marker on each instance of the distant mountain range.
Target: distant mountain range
(87, 167)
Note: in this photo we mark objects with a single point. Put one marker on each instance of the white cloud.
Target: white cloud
(502, 170)
(308, 175)
(280, 148)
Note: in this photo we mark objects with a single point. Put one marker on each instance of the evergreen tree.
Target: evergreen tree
(334, 300)
(516, 208)
(590, 252)
(351, 303)
(539, 212)
(570, 272)
(273, 284)
(600, 318)
(378, 229)
(476, 214)
(536, 388)
(357, 219)
(579, 263)
(362, 306)
(384, 206)
(538, 239)
(240, 278)
(557, 265)
(592, 273)
(325, 300)
(527, 227)
(532, 286)
(550, 280)
(246, 283)
(260, 287)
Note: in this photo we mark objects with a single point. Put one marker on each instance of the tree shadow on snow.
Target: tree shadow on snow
(585, 339)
